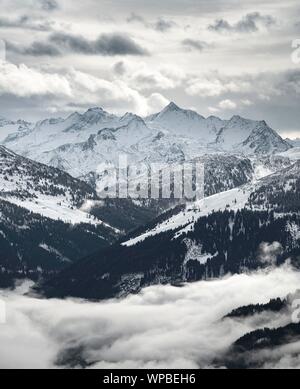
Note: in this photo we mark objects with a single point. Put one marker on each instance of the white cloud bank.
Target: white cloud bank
(162, 327)
(75, 86)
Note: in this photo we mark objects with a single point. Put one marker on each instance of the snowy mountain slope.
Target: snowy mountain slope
(10, 127)
(266, 165)
(79, 143)
(293, 142)
(54, 194)
(185, 220)
(185, 123)
(234, 135)
(45, 219)
(32, 245)
(221, 172)
(261, 194)
(274, 191)
(221, 243)
(50, 134)
(224, 171)
(221, 234)
(279, 191)
(234, 132)
(263, 140)
(45, 190)
(82, 141)
(137, 142)
(221, 175)
(80, 159)
(293, 154)
(250, 137)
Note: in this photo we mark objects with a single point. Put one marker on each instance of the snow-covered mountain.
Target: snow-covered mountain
(278, 192)
(293, 142)
(49, 219)
(80, 142)
(49, 134)
(55, 194)
(45, 219)
(186, 123)
(38, 189)
(250, 137)
(293, 154)
(235, 135)
(106, 145)
(43, 189)
(33, 245)
(209, 238)
(12, 128)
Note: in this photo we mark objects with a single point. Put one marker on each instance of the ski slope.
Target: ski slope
(234, 199)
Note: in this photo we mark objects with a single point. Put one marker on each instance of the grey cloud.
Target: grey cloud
(133, 17)
(292, 78)
(13, 23)
(36, 49)
(106, 44)
(249, 23)
(120, 68)
(161, 24)
(194, 44)
(25, 22)
(48, 5)
(220, 25)
(274, 96)
(62, 43)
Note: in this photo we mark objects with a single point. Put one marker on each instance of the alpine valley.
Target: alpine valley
(57, 231)
(51, 216)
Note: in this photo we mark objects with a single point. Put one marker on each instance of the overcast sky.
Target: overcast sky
(215, 56)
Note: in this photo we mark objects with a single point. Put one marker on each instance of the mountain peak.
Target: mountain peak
(214, 118)
(130, 119)
(95, 111)
(236, 118)
(135, 120)
(75, 115)
(130, 116)
(126, 115)
(263, 123)
(172, 107)
(4, 121)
